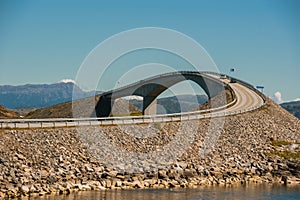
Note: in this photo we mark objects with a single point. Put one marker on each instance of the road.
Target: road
(246, 98)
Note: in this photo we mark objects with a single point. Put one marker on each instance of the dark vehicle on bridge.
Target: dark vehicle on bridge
(232, 80)
(223, 76)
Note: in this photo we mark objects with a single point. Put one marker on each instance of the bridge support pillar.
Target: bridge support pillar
(149, 106)
(103, 107)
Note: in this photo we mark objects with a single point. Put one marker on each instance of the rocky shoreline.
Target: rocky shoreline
(256, 147)
(175, 177)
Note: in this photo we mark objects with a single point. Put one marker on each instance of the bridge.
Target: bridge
(152, 87)
(246, 98)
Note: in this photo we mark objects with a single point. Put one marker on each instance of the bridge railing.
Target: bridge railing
(72, 122)
(158, 76)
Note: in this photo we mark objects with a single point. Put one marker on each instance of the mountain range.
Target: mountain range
(39, 95)
(293, 107)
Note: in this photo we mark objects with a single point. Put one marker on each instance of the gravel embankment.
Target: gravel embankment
(62, 160)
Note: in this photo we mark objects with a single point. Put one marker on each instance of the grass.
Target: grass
(126, 114)
(158, 125)
(286, 154)
(136, 114)
(278, 143)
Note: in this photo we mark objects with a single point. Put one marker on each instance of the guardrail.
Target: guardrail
(72, 122)
(68, 122)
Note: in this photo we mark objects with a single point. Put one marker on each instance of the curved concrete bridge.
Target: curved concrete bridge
(152, 87)
(247, 98)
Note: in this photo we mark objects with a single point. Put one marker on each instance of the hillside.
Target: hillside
(121, 107)
(65, 110)
(7, 114)
(38, 95)
(182, 103)
(175, 104)
(293, 107)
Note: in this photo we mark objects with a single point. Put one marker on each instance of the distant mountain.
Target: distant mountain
(7, 114)
(181, 103)
(175, 104)
(293, 107)
(38, 95)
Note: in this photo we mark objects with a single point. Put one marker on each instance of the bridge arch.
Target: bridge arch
(184, 96)
(152, 87)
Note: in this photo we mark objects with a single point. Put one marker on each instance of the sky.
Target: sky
(47, 41)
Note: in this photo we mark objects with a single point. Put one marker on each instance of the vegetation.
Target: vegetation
(127, 114)
(136, 114)
(278, 143)
(158, 125)
(286, 154)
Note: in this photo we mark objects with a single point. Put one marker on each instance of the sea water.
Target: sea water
(255, 192)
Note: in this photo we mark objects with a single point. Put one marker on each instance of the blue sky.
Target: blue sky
(46, 41)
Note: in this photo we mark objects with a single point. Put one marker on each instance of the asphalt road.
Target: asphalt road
(246, 98)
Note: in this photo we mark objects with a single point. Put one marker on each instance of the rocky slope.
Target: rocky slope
(121, 107)
(65, 110)
(7, 114)
(254, 147)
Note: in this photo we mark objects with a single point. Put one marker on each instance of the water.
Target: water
(255, 192)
